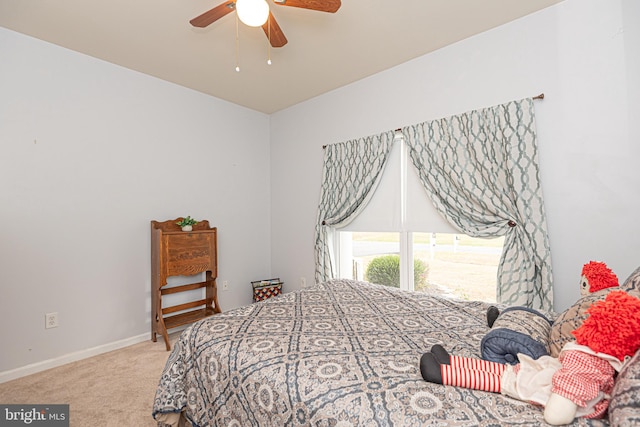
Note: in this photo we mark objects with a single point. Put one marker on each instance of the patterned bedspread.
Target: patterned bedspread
(342, 353)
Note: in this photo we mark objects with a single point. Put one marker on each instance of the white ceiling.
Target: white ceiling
(325, 51)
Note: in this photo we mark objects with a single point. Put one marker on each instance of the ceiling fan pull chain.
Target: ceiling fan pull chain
(269, 44)
(237, 46)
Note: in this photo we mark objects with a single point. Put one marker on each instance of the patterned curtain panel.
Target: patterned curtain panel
(480, 170)
(351, 173)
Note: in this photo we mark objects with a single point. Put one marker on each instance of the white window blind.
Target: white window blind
(400, 203)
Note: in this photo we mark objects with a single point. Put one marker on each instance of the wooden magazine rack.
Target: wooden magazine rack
(182, 253)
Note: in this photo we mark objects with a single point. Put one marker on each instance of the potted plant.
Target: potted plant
(187, 223)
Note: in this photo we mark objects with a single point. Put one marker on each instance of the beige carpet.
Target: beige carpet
(112, 389)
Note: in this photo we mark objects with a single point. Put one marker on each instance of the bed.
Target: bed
(341, 353)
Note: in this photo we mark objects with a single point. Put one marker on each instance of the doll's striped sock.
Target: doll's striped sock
(445, 358)
(470, 378)
(477, 364)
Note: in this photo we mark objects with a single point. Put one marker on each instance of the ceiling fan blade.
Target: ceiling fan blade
(320, 5)
(214, 14)
(277, 37)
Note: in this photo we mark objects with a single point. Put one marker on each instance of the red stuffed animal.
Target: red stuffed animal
(576, 384)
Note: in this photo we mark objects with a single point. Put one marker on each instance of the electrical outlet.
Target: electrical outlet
(303, 282)
(225, 285)
(50, 320)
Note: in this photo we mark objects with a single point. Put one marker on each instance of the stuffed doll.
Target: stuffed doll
(576, 384)
(596, 276)
(522, 330)
(596, 281)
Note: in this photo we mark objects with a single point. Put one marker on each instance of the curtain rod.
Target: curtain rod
(541, 96)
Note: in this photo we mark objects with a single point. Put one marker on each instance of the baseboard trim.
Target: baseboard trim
(68, 358)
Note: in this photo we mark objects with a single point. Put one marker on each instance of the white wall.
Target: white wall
(631, 28)
(91, 152)
(578, 53)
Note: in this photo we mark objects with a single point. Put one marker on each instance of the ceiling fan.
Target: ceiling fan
(271, 28)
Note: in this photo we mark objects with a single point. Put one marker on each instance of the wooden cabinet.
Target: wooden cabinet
(182, 253)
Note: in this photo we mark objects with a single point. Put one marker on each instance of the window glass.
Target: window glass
(458, 265)
(359, 248)
(447, 264)
(378, 243)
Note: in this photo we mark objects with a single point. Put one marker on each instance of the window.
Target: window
(401, 224)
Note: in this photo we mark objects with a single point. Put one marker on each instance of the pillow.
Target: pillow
(516, 330)
(572, 318)
(624, 405)
(632, 284)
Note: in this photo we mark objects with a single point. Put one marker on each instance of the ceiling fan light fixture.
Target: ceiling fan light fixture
(253, 13)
